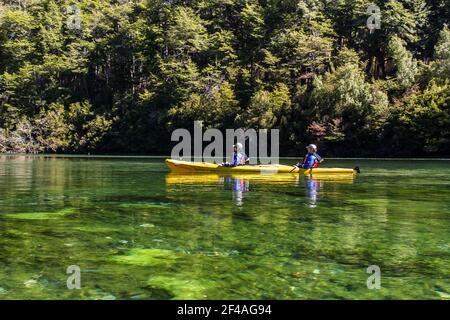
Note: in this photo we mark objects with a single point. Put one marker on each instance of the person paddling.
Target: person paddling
(239, 157)
(312, 159)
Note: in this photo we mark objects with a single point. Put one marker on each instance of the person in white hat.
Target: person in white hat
(239, 157)
(312, 159)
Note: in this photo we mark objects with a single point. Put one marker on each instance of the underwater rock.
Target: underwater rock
(145, 205)
(443, 295)
(96, 294)
(147, 225)
(299, 274)
(336, 271)
(371, 202)
(97, 229)
(30, 283)
(40, 215)
(147, 257)
(181, 287)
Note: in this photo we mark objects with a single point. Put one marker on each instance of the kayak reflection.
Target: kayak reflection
(240, 184)
(314, 185)
(212, 179)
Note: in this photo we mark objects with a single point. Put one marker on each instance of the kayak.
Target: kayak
(177, 166)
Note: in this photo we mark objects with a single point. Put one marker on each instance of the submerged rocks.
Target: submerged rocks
(40, 215)
(30, 283)
(147, 257)
(147, 225)
(145, 205)
(182, 287)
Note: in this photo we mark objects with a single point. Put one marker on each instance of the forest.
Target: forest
(118, 76)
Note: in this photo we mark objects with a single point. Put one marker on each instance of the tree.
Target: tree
(361, 107)
(16, 42)
(51, 129)
(268, 109)
(404, 63)
(187, 34)
(441, 65)
(421, 122)
(217, 108)
(131, 71)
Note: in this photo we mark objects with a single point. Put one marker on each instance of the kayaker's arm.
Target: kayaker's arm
(319, 158)
(241, 159)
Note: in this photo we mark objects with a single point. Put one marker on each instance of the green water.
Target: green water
(138, 233)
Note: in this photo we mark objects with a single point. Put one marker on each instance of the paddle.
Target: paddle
(295, 167)
(318, 158)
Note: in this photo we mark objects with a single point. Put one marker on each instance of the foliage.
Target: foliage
(423, 119)
(404, 63)
(132, 71)
(441, 65)
(352, 108)
(268, 109)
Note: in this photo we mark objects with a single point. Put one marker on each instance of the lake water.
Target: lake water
(138, 232)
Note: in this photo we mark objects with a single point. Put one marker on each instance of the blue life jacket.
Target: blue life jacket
(239, 159)
(310, 161)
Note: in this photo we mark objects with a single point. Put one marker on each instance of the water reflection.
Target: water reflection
(312, 187)
(240, 185)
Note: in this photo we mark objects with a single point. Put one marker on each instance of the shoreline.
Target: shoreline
(168, 157)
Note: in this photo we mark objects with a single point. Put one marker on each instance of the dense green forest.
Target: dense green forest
(118, 76)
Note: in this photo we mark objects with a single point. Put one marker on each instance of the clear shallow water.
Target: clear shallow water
(138, 232)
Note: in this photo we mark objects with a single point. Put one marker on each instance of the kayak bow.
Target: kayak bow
(177, 166)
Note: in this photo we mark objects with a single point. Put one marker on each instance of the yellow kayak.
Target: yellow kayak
(177, 166)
